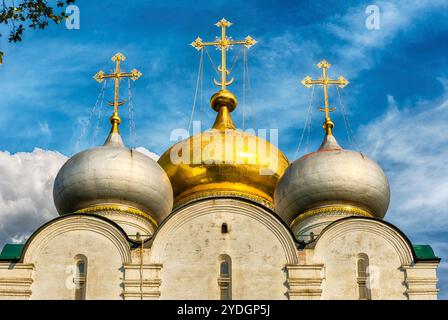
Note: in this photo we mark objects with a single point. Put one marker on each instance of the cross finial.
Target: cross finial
(223, 43)
(117, 75)
(325, 81)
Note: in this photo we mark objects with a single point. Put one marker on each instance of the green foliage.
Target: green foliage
(34, 14)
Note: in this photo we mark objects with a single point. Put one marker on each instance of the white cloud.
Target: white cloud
(44, 128)
(410, 144)
(395, 17)
(26, 191)
(279, 61)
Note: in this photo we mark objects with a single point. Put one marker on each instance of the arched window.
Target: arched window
(225, 277)
(363, 277)
(224, 228)
(225, 269)
(80, 277)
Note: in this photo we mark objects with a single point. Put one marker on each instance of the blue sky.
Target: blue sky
(396, 99)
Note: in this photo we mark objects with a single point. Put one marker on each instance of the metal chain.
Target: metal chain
(348, 128)
(201, 106)
(235, 59)
(100, 113)
(309, 131)
(307, 123)
(211, 61)
(89, 119)
(251, 102)
(244, 85)
(132, 131)
(198, 83)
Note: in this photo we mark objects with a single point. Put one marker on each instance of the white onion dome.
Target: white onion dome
(332, 179)
(113, 178)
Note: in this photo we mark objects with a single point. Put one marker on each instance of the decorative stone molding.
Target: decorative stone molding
(223, 193)
(235, 206)
(316, 224)
(15, 283)
(331, 210)
(142, 281)
(130, 223)
(421, 281)
(119, 208)
(69, 223)
(305, 281)
(367, 225)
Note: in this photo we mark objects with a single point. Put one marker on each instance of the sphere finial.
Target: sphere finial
(223, 98)
(223, 102)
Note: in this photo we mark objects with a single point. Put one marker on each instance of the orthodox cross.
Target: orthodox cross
(223, 44)
(117, 75)
(325, 82)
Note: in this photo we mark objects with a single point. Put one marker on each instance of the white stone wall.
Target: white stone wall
(53, 250)
(315, 224)
(130, 223)
(421, 281)
(15, 280)
(337, 248)
(190, 243)
(182, 261)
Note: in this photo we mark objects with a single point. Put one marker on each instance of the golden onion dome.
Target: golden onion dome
(224, 161)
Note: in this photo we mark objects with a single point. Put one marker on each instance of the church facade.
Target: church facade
(218, 217)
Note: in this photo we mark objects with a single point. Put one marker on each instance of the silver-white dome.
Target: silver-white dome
(332, 176)
(113, 175)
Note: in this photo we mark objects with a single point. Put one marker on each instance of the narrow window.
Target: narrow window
(225, 278)
(225, 269)
(224, 228)
(80, 277)
(363, 277)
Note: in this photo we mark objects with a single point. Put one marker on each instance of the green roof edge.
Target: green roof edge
(424, 252)
(11, 252)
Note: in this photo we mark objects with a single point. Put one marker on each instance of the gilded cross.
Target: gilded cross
(325, 82)
(117, 75)
(223, 44)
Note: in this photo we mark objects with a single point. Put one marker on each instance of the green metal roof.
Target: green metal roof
(11, 251)
(424, 252)
(14, 252)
